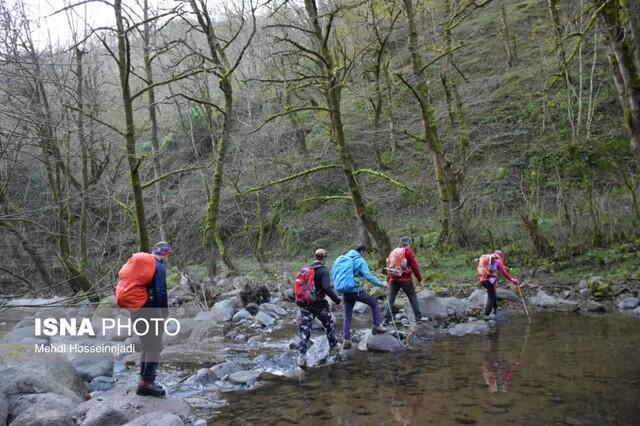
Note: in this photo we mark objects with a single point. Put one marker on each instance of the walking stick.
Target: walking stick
(524, 304)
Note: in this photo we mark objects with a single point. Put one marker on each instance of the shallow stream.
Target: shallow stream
(562, 369)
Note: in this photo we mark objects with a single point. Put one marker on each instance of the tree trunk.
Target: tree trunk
(129, 134)
(84, 162)
(332, 91)
(511, 55)
(155, 145)
(449, 200)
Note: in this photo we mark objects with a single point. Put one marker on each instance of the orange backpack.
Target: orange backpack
(486, 266)
(133, 279)
(397, 262)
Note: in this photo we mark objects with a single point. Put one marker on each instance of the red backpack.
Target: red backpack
(133, 279)
(397, 262)
(304, 287)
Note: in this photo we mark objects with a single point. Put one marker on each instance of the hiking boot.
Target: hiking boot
(302, 360)
(150, 389)
(378, 329)
(423, 319)
(346, 344)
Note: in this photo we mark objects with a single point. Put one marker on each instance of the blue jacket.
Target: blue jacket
(347, 268)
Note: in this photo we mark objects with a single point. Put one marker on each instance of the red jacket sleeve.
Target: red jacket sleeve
(413, 264)
(505, 271)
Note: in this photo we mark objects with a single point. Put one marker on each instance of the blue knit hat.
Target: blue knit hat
(161, 248)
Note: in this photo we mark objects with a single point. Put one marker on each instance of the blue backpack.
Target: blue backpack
(342, 275)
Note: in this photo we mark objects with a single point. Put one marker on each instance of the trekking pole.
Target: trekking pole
(393, 320)
(524, 304)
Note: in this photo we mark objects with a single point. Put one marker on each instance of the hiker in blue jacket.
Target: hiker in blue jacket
(344, 272)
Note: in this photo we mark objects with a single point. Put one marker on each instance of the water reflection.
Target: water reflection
(497, 370)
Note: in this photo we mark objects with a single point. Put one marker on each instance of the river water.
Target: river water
(562, 369)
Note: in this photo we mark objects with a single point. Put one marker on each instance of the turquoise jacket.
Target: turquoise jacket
(347, 268)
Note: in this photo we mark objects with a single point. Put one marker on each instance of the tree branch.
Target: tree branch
(175, 172)
(288, 178)
(291, 111)
(385, 177)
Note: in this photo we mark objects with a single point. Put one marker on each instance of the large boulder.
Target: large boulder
(439, 308)
(204, 329)
(422, 331)
(102, 415)
(477, 299)
(123, 398)
(272, 310)
(93, 365)
(25, 335)
(383, 343)
(4, 410)
(25, 371)
(542, 299)
(203, 376)
(41, 409)
(629, 303)
(506, 294)
(223, 310)
(242, 314)
(157, 419)
(471, 327)
(253, 293)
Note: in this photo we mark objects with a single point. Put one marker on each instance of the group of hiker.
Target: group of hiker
(142, 288)
(313, 284)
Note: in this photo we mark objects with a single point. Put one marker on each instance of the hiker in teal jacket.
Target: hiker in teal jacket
(344, 272)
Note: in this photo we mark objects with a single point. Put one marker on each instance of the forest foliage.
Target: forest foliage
(262, 130)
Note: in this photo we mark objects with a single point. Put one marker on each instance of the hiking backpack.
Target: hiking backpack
(487, 266)
(304, 287)
(133, 279)
(342, 275)
(397, 262)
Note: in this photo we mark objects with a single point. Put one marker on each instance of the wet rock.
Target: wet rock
(272, 310)
(593, 306)
(629, 303)
(101, 384)
(252, 308)
(93, 365)
(223, 310)
(25, 335)
(544, 300)
(584, 292)
(42, 409)
(245, 377)
(582, 284)
(439, 307)
(471, 327)
(361, 308)
(186, 328)
(506, 294)
(477, 299)
(4, 410)
(204, 329)
(636, 311)
(423, 331)
(123, 398)
(102, 415)
(220, 371)
(23, 371)
(157, 419)
(425, 294)
(264, 319)
(203, 376)
(382, 343)
(240, 338)
(242, 314)
(318, 353)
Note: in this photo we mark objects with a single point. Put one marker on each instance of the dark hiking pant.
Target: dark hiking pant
(492, 298)
(410, 291)
(321, 311)
(349, 300)
(151, 342)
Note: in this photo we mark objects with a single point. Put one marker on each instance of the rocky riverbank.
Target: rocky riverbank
(246, 338)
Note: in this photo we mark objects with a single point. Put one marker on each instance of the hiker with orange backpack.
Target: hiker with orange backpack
(488, 267)
(310, 288)
(142, 289)
(401, 265)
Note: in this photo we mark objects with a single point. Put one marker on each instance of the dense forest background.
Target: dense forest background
(248, 134)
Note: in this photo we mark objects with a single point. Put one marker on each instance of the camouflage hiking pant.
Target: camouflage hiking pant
(322, 311)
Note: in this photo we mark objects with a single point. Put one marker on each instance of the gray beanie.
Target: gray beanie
(405, 241)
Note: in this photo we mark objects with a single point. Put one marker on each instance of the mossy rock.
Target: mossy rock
(378, 292)
(599, 287)
(106, 306)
